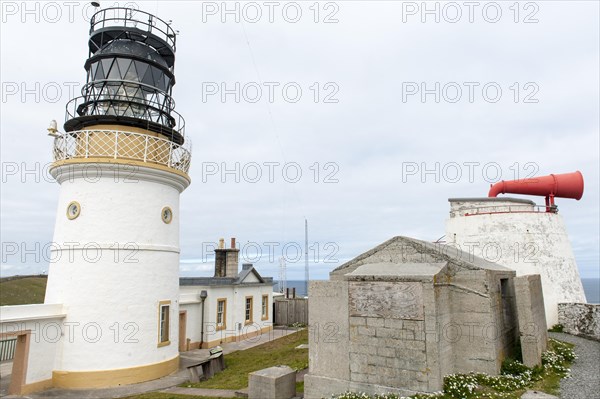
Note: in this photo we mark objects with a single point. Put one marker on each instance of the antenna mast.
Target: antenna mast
(306, 257)
(282, 285)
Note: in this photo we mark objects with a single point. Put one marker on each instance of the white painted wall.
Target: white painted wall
(236, 297)
(113, 264)
(528, 242)
(46, 324)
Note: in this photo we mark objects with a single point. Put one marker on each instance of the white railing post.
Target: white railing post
(65, 153)
(169, 161)
(116, 144)
(87, 143)
(146, 149)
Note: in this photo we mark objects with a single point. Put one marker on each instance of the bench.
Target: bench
(205, 369)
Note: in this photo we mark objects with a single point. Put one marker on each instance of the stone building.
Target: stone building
(403, 315)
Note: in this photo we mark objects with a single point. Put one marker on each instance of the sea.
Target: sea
(591, 286)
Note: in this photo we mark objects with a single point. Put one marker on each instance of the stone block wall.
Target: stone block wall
(581, 319)
(391, 334)
(388, 352)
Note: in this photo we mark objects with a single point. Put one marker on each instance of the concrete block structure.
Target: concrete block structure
(531, 318)
(523, 237)
(277, 382)
(403, 315)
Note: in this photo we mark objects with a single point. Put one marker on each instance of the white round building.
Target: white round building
(518, 234)
(122, 164)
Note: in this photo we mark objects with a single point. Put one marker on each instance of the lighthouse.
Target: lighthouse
(122, 163)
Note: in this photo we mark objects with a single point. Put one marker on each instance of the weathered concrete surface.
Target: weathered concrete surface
(510, 232)
(328, 329)
(277, 382)
(581, 319)
(532, 318)
(419, 312)
(390, 300)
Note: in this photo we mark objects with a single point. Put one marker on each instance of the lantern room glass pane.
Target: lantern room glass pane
(141, 68)
(148, 76)
(106, 64)
(113, 73)
(92, 71)
(99, 74)
(157, 76)
(127, 70)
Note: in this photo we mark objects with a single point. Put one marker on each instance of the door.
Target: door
(182, 327)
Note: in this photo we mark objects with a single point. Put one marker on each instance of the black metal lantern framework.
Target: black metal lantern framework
(129, 75)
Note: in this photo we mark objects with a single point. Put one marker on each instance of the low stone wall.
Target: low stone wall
(581, 319)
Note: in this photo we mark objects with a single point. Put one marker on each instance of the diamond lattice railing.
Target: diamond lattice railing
(122, 145)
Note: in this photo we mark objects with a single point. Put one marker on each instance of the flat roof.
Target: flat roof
(396, 271)
(492, 199)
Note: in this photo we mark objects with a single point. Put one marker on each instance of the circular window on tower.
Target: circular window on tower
(73, 210)
(167, 215)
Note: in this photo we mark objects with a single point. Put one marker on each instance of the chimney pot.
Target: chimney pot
(221, 243)
(232, 242)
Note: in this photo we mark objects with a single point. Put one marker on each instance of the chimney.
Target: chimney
(220, 259)
(226, 260)
(232, 260)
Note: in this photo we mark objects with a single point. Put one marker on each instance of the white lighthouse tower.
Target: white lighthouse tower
(121, 164)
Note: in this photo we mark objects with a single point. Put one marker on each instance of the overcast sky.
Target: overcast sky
(360, 97)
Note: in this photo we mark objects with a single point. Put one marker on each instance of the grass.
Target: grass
(556, 328)
(238, 364)
(163, 395)
(22, 290)
(550, 382)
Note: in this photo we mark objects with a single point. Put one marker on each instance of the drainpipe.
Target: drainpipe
(203, 295)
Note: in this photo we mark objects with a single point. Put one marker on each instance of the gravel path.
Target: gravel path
(585, 370)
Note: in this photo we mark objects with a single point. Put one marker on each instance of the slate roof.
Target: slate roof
(215, 281)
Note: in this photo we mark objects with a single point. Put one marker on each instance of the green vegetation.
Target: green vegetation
(557, 328)
(22, 290)
(281, 351)
(515, 378)
(300, 387)
(163, 395)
